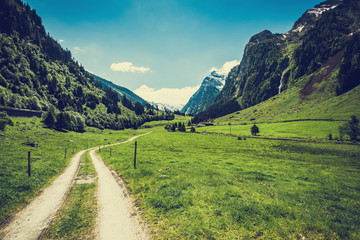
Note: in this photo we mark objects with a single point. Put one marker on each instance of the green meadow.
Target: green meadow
(196, 186)
(47, 159)
(297, 129)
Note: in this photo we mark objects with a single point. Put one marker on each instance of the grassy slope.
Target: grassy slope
(298, 129)
(289, 106)
(205, 186)
(16, 188)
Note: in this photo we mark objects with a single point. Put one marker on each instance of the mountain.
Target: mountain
(205, 95)
(37, 73)
(122, 91)
(317, 60)
(166, 107)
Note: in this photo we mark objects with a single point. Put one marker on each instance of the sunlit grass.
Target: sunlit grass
(47, 160)
(216, 187)
(297, 129)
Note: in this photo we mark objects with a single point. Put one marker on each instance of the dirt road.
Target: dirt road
(117, 219)
(30, 221)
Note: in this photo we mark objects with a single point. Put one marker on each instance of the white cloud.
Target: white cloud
(226, 67)
(78, 49)
(170, 96)
(128, 67)
(61, 40)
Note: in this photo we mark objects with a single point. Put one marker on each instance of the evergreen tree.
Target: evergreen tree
(254, 130)
(63, 121)
(330, 136)
(50, 118)
(350, 128)
(139, 108)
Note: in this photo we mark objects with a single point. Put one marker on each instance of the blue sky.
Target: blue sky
(159, 47)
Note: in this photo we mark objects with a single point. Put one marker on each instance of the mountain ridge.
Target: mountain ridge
(205, 95)
(273, 63)
(122, 91)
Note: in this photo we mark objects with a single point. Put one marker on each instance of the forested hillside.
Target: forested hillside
(37, 73)
(319, 57)
(122, 91)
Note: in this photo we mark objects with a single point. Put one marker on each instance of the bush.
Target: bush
(350, 128)
(4, 120)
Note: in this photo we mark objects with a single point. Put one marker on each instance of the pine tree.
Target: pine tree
(254, 130)
(350, 128)
(50, 118)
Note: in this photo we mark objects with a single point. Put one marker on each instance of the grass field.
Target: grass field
(196, 186)
(77, 218)
(298, 129)
(289, 106)
(16, 188)
(192, 186)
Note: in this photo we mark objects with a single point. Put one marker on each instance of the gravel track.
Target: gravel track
(117, 217)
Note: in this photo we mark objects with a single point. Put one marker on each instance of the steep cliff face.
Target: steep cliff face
(205, 95)
(321, 50)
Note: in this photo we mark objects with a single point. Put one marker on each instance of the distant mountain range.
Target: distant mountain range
(205, 95)
(318, 60)
(122, 91)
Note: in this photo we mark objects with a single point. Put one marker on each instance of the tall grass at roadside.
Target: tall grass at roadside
(47, 160)
(192, 186)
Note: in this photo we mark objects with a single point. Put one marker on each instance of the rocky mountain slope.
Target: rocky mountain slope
(205, 95)
(317, 59)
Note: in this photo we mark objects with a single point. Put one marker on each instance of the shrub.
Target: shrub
(4, 120)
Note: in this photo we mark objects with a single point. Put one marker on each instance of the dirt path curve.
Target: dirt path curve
(29, 223)
(117, 218)
(35, 217)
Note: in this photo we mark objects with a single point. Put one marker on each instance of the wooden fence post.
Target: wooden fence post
(65, 152)
(29, 163)
(135, 155)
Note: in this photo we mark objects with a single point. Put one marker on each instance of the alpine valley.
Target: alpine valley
(272, 151)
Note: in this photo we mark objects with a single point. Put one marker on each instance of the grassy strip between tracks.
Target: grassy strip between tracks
(77, 218)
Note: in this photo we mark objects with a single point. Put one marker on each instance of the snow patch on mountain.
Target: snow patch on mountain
(209, 89)
(309, 16)
(317, 11)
